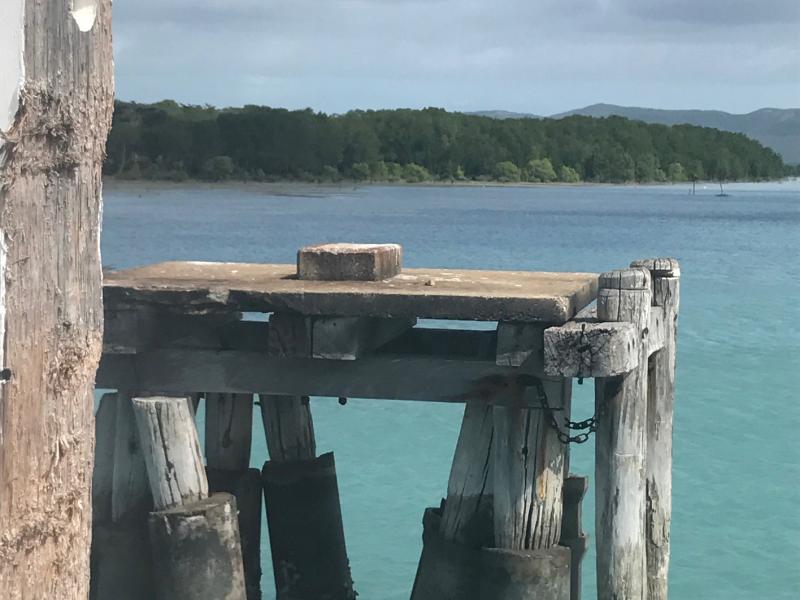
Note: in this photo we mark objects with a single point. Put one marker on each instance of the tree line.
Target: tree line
(167, 140)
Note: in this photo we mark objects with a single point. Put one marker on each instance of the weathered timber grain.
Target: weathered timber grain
(519, 343)
(309, 556)
(529, 462)
(196, 551)
(129, 330)
(50, 206)
(525, 574)
(103, 474)
(229, 430)
(288, 426)
(467, 515)
(665, 275)
(572, 535)
(456, 379)
(132, 330)
(121, 561)
(424, 293)
(447, 570)
(287, 418)
(591, 349)
(130, 494)
(620, 445)
(171, 450)
(349, 262)
(337, 338)
(246, 488)
(121, 564)
(347, 338)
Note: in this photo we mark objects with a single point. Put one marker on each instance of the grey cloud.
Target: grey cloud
(541, 56)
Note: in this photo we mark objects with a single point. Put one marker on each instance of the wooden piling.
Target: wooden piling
(301, 491)
(229, 427)
(665, 276)
(306, 534)
(467, 514)
(572, 535)
(245, 486)
(130, 495)
(228, 440)
(621, 412)
(289, 427)
(190, 532)
(121, 562)
(452, 535)
(171, 449)
(529, 459)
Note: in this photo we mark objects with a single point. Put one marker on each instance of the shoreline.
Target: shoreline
(279, 187)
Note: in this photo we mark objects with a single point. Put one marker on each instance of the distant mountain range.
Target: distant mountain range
(776, 128)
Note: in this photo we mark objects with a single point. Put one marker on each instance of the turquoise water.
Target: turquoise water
(736, 522)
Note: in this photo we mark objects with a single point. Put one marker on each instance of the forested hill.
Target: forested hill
(776, 128)
(171, 141)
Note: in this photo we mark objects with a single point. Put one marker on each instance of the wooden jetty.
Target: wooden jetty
(343, 323)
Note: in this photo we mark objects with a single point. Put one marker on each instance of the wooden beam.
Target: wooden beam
(379, 376)
(621, 412)
(591, 349)
(347, 338)
(338, 338)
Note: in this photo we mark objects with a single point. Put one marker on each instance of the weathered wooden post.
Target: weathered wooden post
(121, 564)
(665, 276)
(56, 92)
(530, 463)
(194, 537)
(621, 412)
(229, 420)
(453, 534)
(301, 493)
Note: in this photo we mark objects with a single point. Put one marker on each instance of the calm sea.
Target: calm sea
(736, 521)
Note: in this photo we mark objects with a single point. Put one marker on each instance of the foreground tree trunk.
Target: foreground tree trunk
(51, 150)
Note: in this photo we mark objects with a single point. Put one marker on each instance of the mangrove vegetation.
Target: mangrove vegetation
(170, 141)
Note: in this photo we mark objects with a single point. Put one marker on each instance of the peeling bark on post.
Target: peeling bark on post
(665, 274)
(621, 409)
(50, 198)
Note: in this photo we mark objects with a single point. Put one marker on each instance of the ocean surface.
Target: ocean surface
(736, 515)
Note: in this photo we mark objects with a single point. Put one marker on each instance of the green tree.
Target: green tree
(541, 170)
(507, 172)
(414, 173)
(646, 167)
(675, 172)
(330, 173)
(218, 168)
(568, 174)
(360, 171)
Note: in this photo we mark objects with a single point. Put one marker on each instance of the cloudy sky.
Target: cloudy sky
(539, 56)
